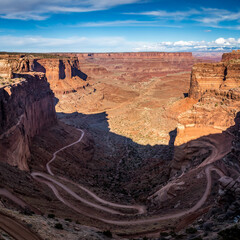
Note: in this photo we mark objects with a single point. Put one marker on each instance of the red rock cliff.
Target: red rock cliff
(63, 74)
(234, 55)
(224, 75)
(10, 64)
(216, 89)
(26, 108)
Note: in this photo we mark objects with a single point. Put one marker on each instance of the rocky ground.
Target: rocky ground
(134, 93)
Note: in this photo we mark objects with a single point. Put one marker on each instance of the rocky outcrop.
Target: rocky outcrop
(232, 76)
(10, 64)
(206, 76)
(63, 74)
(26, 108)
(234, 55)
(216, 88)
(214, 76)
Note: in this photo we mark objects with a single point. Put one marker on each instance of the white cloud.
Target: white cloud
(110, 44)
(125, 23)
(211, 17)
(41, 9)
(220, 41)
(178, 15)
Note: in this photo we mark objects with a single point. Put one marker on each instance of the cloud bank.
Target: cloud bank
(110, 44)
(42, 9)
(211, 17)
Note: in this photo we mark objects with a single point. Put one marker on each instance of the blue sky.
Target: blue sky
(119, 25)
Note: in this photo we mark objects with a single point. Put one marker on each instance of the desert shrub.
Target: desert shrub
(107, 233)
(68, 219)
(58, 226)
(232, 233)
(164, 234)
(191, 230)
(51, 215)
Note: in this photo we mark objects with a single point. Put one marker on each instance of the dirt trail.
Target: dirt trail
(4, 192)
(61, 149)
(16, 229)
(20, 232)
(50, 181)
(218, 151)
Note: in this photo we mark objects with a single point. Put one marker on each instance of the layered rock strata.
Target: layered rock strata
(234, 55)
(63, 74)
(10, 64)
(26, 108)
(216, 89)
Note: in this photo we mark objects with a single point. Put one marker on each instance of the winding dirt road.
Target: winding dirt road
(20, 232)
(48, 180)
(16, 229)
(61, 149)
(4, 192)
(12, 226)
(217, 153)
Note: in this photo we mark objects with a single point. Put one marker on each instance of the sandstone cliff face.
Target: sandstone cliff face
(214, 76)
(26, 108)
(206, 76)
(234, 55)
(10, 64)
(216, 88)
(63, 74)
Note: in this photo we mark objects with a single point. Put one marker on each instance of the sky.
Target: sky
(119, 25)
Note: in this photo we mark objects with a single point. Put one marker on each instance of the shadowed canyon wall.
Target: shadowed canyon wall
(215, 89)
(26, 108)
(63, 74)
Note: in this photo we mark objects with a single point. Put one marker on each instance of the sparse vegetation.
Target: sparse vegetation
(51, 215)
(191, 230)
(58, 226)
(107, 233)
(68, 219)
(164, 234)
(232, 233)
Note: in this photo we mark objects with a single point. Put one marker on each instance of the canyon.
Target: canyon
(140, 145)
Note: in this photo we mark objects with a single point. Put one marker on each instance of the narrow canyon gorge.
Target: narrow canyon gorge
(119, 145)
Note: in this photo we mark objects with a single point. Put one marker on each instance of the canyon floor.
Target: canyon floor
(108, 168)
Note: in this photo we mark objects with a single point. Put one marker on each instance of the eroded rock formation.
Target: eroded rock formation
(216, 89)
(26, 107)
(234, 55)
(10, 64)
(63, 74)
